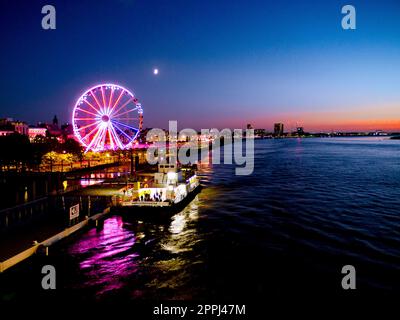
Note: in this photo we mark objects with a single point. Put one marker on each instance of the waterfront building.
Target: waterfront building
(9, 124)
(34, 132)
(278, 129)
(260, 133)
(54, 129)
(20, 127)
(6, 132)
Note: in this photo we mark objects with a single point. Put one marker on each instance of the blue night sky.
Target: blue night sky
(222, 63)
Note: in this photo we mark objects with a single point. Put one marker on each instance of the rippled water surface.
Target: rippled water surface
(310, 207)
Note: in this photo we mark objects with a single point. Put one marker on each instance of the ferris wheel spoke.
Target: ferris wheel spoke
(103, 97)
(90, 105)
(103, 138)
(117, 139)
(125, 112)
(84, 119)
(111, 138)
(125, 125)
(117, 101)
(91, 132)
(92, 143)
(124, 133)
(126, 119)
(111, 96)
(89, 125)
(124, 105)
(95, 98)
(100, 138)
(88, 112)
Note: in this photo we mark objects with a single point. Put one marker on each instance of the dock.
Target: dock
(44, 238)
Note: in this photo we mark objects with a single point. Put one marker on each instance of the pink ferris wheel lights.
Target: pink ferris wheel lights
(107, 117)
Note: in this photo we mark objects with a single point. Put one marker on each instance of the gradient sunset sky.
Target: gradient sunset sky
(221, 63)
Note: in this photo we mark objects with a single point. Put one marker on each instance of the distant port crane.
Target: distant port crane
(107, 117)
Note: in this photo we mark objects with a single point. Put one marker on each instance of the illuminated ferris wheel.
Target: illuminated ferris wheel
(107, 117)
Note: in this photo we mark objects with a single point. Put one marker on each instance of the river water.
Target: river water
(310, 207)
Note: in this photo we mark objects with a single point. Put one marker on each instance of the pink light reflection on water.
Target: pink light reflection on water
(107, 256)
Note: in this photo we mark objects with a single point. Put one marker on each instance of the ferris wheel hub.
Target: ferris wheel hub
(105, 118)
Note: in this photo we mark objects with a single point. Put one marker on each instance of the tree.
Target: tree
(51, 157)
(92, 156)
(16, 151)
(73, 147)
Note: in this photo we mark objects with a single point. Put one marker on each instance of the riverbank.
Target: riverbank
(22, 245)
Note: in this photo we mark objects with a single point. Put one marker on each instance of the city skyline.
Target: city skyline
(258, 64)
(176, 157)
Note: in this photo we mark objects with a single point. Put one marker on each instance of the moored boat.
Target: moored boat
(160, 193)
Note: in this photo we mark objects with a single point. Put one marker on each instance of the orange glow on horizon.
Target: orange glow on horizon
(318, 125)
(365, 118)
(350, 118)
(353, 125)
